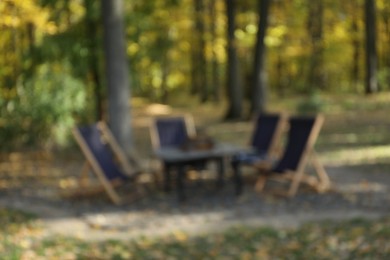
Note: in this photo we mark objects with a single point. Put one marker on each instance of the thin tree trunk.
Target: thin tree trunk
(15, 42)
(315, 28)
(197, 49)
(386, 60)
(117, 72)
(215, 79)
(371, 54)
(29, 68)
(93, 60)
(201, 43)
(164, 77)
(260, 82)
(234, 90)
(355, 46)
(281, 75)
(194, 71)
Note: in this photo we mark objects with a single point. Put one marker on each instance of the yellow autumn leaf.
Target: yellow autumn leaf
(180, 235)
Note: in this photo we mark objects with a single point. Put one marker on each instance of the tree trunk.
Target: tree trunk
(386, 51)
(201, 44)
(315, 29)
(281, 75)
(117, 72)
(371, 54)
(215, 79)
(355, 46)
(197, 52)
(260, 81)
(93, 60)
(234, 90)
(164, 78)
(30, 67)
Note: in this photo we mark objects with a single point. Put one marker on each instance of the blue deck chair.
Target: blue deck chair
(264, 144)
(106, 159)
(303, 133)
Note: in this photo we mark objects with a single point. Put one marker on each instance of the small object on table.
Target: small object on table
(198, 143)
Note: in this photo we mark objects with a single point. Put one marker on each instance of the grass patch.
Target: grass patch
(12, 221)
(353, 239)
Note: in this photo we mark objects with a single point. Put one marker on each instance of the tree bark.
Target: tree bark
(315, 29)
(260, 81)
(371, 54)
(356, 41)
(234, 90)
(197, 52)
(386, 51)
(117, 72)
(93, 60)
(215, 82)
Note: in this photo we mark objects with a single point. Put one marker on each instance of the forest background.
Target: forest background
(52, 57)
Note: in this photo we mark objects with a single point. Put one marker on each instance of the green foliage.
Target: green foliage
(160, 41)
(384, 78)
(43, 109)
(312, 104)
(157, 49)
(12, 220)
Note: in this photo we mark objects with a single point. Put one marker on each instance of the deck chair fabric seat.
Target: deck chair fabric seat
(173, 131)
(267, 132)
(249, 158)
(263, 144)
(301, 131)
(265, 138)
(299, 151)
(106, 159)
(101, 152)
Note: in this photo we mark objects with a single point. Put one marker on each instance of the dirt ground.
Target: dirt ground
(355, 194)
(32, 181)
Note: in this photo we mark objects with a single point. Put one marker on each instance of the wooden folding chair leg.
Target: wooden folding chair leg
(296, 181)
(260, 183)
(322, 175)
(84, 176)
(109, 189)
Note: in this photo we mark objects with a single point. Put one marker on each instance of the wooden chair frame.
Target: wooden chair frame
(92, 164)
(320, 182)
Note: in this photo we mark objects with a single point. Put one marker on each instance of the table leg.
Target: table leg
(180, 182)
(221, 172)
(237, 177)
(167, 177)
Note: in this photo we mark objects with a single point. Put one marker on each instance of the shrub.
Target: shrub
(42, 110)
(312, 104)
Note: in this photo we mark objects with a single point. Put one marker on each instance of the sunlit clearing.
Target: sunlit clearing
(158, 109)
(68, 183)
(345, 138)
(364, 186)
(355, 155)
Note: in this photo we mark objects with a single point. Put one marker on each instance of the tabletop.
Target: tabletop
(176, 154)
